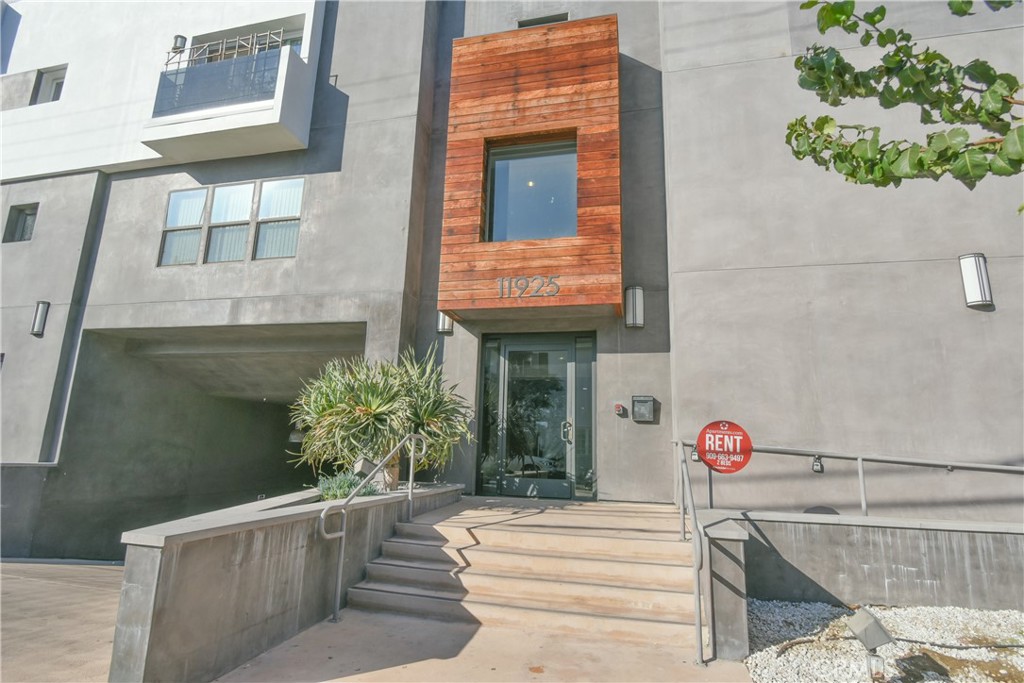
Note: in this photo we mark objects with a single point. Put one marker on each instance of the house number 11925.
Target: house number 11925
(526, 286)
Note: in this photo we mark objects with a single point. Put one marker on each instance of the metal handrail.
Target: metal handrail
(419, 449)
(698, 549)
(949, 465)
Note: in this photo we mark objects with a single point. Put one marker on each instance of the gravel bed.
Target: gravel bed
(832, 655)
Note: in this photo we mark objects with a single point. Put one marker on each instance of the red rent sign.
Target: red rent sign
(724, 446)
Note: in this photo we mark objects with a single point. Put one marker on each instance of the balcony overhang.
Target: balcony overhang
(277, 123)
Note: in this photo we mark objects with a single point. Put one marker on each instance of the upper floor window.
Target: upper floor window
(21, 223)
(531, 191)
(268, 210)
(49, 85)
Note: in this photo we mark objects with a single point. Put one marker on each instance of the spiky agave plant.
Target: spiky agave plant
(433, 409)
(354, 408)
(357, 408)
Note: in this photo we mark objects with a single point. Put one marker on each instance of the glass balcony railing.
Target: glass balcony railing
(248, 78)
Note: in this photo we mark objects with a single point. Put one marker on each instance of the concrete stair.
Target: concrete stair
(613, 569)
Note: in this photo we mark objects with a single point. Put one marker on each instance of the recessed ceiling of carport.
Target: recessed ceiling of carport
(250, 362)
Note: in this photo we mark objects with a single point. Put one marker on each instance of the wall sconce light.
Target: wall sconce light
(974, 272)
(817, 466)
(694, 456)
(179, 44)
(39, 319)
(445, 324)
(634, 312)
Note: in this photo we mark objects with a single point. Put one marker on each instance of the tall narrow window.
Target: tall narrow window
(532, 191)
(183, 227)
(21, 223)
(229, 223)
(277, 231)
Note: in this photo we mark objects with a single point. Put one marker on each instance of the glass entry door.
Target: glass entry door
(537, 426)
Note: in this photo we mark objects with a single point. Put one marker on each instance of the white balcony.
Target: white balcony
(257, 104)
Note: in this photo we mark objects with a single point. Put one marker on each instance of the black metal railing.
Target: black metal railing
(249, 78)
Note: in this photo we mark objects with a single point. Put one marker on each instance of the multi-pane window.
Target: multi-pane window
(184, 227)
(229, 215)
(277, 232)
(229, 223)
(531, 191)
(21, 223)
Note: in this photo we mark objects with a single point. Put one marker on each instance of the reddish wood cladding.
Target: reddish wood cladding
(549, 82)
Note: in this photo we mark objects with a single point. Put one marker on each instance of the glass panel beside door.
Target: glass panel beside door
(536, 418)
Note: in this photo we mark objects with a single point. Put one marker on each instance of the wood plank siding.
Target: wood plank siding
(552, 82)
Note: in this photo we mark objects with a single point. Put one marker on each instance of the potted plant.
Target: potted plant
(357, 408)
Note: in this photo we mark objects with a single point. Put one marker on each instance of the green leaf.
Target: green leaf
(891, 59)
(906, 165)
(1008, 81)
(958, 138)
(909, 75)
(972, 164)
(874, 16)
(1000, 164)
(844, 8)
(960, 8)
(889, 98)
(938, 141)
(809, 4)
(992, 100)
(980, 71)
(1013, 144)
(825, 124)
(865, 39)
(827, 18)
(927, 116)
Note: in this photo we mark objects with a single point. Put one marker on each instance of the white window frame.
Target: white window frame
(252, 224)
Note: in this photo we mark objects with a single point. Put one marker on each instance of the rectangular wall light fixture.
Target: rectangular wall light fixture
(974, 272)
(634, 309)
(39, 319)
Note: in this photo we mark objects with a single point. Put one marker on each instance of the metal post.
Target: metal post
(341, 563)
(412, 473)
(711, 490)
(863, 487)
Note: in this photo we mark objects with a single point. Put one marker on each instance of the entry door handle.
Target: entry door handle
(567, 431)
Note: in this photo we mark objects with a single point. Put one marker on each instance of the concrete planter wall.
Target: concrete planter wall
(205, 594)
(847, 560)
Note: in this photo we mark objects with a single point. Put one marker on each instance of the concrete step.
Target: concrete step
(623, 571)
(518, 613)
(614, 569)
(570, 595)
(575, 540)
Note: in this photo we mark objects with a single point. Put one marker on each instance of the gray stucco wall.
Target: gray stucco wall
(144, 447)
(822, 314)
(48, 267)
(880, 563)
(16, 89)
(21, 487)
(275, 578)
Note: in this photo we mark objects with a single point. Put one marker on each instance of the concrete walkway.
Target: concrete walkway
(57, 621)
(57, 624)
(367, 646)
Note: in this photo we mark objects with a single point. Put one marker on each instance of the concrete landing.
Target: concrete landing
(57, 620)
(367, 646)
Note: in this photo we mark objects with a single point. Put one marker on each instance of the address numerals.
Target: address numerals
(527, 286)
